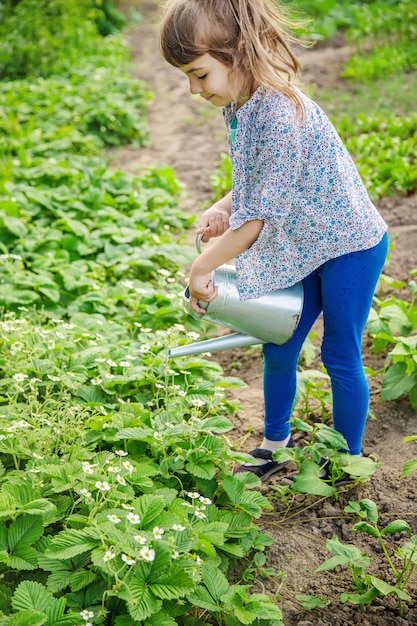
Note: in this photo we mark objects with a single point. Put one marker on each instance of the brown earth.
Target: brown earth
(189, 136)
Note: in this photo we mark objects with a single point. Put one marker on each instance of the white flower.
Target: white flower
(147, 554)
(193, 495)
(140, 539)
(85, 493)
(114, 519)
(128, 507)
(205, 500)
(158, 532)
(111, 363)
(128, 466)
(128, 559)
(54, 379)
(87, 468)
(102, 486)
(20, 377)
(197, 402)
(37, 456)
(125, 364)
(199, 514)
(113, 469)
(121, 453)
(157, 436)
(121, 481)
(133, 518)
(86, 615)
(175, 554)
(96, 381)
(178, 527)
(108, 556)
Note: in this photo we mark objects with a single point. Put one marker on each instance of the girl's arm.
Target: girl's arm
(231, 244)
(215, 221)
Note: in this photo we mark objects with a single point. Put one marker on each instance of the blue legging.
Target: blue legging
(343, 289)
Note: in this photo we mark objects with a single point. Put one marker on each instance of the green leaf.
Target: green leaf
(149, 507)
(356, 598)
(160, 619)
(25, 530)
(385, 589)
(217, 424)
(175, 584)
(396, 383)
(70, 543)
(312, 602)
(202, 598)
(30, 595)
(333, 562)
(409, 468)
(365, 528)
(28, 618)
(201, 469)
(15, 226)
(215, 581)
(359, 466)
(307, 480)
(398, 526)
(370, 509)
(58, 581)
(140, 601)
(23, 557)
(330, 437)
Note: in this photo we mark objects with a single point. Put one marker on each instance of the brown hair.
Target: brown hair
(249, 36)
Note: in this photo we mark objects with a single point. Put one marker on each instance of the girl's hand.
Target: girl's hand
(213, 223)
(201, 290)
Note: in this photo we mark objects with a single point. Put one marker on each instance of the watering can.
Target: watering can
(271, 318)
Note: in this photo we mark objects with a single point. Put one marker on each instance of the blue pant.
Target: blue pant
(343, 289)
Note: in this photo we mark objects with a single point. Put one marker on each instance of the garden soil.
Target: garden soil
(188, 135)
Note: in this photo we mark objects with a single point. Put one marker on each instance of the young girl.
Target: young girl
(298, 210)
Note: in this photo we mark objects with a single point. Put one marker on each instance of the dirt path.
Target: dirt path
(189, 136)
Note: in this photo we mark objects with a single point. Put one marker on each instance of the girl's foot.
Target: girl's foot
(268, 467)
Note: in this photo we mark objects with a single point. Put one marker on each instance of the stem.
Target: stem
(385, 551)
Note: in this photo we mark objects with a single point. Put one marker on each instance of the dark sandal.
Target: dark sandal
(265, 470)
(324, 475)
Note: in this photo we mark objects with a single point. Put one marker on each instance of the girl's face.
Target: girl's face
(210, 79)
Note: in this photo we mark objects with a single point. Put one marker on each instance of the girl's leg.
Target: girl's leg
(280, 366)
(348, 286)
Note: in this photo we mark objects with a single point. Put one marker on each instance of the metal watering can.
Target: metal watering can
(271, 318)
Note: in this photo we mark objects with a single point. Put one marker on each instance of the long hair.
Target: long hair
(249, 36)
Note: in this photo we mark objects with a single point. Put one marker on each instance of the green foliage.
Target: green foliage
(323, 443)
(367, 587)
(392, 326)
(45, 37)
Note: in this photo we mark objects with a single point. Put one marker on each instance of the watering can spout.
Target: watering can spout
(227, 342)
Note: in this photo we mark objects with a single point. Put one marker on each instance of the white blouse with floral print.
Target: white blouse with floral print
(300, 180)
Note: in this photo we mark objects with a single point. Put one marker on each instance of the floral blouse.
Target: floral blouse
(300, 180)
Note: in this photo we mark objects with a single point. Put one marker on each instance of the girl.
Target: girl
(298, 210)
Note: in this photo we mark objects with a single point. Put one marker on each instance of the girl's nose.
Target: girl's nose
(195, 86)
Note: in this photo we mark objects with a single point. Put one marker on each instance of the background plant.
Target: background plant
(367, 587)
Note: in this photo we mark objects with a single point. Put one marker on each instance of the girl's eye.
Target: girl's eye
(202, 77)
